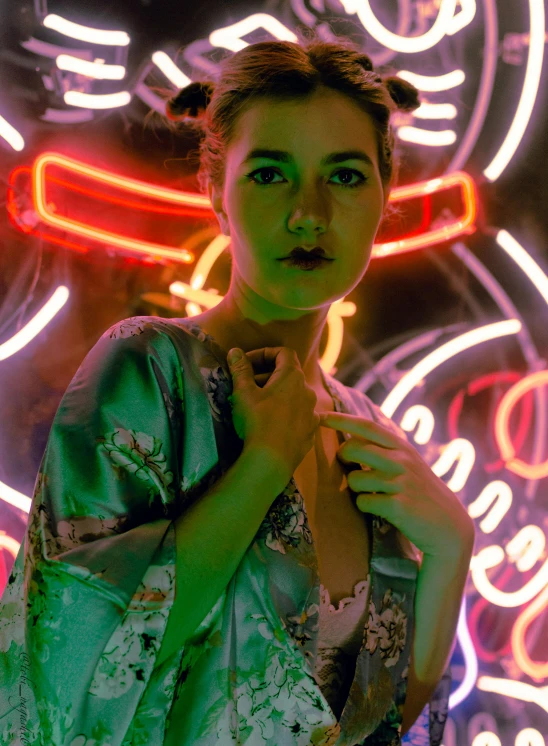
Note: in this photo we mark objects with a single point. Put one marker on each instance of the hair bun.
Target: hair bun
(190, 102)
(404, 94)
(365, 61)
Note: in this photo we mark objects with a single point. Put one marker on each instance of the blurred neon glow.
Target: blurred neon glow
(435, 111)
(529, 737)
(461, 452)
(433, 82)
(463, 17)
(85, 33)
(525, 262)
(429, 138)
(470, 660)
(97, 100)
(496, 494)
(42, 208)
(34, 326)
(528, 94)
(230, 37)
(17, 499)
(490, 56)
(202, 297)
(464, 224)
(407, 44)
(418, 414)
(8, 543)
(94, 69)
(526, 548)
(10, 135)
(170, 70)
(418, 373)
(516, 689)
(486, 738)
(490, 557)
(519, 631)
(502, 434)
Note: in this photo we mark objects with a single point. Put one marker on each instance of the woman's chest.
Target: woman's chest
(342, 533)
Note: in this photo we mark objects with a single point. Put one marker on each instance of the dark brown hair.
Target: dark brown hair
(287, 70)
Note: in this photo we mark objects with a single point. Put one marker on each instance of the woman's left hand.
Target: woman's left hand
(412, 497)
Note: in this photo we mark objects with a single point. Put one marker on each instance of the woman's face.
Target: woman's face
(302, 201)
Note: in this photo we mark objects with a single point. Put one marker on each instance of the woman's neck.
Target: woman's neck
(230, 328)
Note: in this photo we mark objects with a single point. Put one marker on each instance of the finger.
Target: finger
(359, 426)
(376, 505)
(264, 359)
(262, 378)
(368, 455)
(361, 481)
(350, 457)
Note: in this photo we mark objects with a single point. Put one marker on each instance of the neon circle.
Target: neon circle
(502, 436)
(403, 43)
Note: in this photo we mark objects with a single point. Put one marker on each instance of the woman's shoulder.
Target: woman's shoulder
(142, 334)
(142, 327)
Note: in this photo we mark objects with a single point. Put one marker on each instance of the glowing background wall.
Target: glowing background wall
(447, 332)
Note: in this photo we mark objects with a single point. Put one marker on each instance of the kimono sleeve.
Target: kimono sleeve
(88, 600)
(428, 729)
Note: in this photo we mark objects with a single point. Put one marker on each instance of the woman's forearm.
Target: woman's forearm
(440, 588)
(212, 536)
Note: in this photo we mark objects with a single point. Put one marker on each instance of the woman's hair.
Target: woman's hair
(287, 70)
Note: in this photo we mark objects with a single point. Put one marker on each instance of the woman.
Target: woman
(185, 509)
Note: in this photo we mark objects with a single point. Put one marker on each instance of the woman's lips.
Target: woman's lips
(306, 262)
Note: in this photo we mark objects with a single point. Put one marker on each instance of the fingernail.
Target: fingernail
(234, 355)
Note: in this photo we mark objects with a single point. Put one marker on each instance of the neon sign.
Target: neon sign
(508, 571)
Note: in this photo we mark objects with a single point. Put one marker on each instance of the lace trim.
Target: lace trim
(359, 589)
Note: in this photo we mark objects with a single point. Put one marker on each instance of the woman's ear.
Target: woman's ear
(216, 199)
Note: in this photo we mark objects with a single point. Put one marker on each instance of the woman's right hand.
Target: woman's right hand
(280, 414)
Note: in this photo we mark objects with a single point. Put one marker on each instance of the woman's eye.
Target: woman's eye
(352, 171)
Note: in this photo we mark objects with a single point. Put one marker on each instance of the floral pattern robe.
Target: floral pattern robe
(143, 429)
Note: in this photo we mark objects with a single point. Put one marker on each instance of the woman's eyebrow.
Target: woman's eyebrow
(285, 157)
